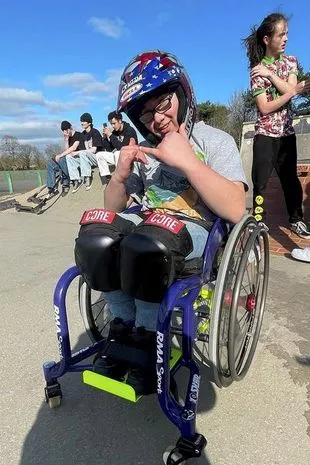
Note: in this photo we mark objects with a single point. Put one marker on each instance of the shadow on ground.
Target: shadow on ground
(93, 427)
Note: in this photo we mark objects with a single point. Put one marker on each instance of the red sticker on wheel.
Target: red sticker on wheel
(165, 221)
(97, 215)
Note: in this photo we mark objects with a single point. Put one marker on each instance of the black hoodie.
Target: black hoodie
(120, 138)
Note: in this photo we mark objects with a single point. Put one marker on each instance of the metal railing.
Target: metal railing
(21, 181)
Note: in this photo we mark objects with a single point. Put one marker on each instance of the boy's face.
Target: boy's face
(116, 124)
(85, 125)
(67, 132)
(160, 114)
(277, 42)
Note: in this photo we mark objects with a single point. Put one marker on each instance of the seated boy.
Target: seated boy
(72, 142)
(186, 174)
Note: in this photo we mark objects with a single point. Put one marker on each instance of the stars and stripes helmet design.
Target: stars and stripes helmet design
(150, 74)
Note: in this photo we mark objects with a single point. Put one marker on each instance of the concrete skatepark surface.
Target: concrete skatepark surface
(263, 420)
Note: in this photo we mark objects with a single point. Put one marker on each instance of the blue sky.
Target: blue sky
(62, 58)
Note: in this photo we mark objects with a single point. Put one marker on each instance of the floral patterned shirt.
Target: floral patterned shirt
(278, 123)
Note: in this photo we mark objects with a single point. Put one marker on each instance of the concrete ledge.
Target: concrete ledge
(282, 239)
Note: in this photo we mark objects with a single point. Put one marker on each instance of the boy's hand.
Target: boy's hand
(107, 132)
(128, 155)
(174, 150)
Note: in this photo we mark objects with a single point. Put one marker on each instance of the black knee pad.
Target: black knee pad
(153, 256)
(97, 248)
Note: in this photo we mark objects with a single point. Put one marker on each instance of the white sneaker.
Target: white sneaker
(302, 254)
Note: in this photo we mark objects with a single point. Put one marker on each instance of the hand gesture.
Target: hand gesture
(57, 158)
(174, 150)
(303, 87)
(128, 155)
(107, 132)
(260, 70)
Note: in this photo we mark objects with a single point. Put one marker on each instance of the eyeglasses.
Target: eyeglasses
(163, 106)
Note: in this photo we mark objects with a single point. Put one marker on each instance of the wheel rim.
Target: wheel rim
(234, 264)
(95, 312)
(219, 321)
(248, 304)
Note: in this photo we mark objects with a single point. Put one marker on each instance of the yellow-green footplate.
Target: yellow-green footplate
(120, 388)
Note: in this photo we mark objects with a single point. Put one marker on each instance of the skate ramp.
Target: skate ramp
(68, 208)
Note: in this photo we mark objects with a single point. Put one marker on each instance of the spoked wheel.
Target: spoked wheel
(220, 317)
(203, 307)
(248, 303)
(94, 311)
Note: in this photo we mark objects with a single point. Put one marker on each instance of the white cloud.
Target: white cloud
(56, 106)
(108, 27)
(13, 109)
(85, 83)
(9, 94)
(42, 142)
(74, 80)
(94, 88)
(34, 129)
(20, 102)
(112, 82)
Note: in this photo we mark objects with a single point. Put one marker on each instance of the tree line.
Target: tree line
(17, 156)
(230, 118)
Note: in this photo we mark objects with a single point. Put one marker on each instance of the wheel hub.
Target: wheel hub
(250, 303)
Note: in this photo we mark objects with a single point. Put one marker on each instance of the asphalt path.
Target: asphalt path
(263, 420)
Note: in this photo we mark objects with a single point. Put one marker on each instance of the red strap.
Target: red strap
(97, 215)
(165, 221)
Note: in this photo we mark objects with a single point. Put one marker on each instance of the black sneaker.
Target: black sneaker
(76, 185)
(143, 378)
(108, 366)
(51, 193)
(105, 179)
(301, 229)
(65, 190)
(88, 182)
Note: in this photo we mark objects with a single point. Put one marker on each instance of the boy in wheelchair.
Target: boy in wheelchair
(186, 173)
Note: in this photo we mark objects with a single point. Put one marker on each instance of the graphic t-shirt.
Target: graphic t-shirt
(165, 189)
(77, 136)
(120, 138)
(93, 139)
(280, 122)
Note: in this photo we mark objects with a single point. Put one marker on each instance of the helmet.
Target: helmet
(150, 74)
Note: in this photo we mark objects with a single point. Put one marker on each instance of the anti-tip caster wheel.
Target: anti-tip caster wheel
(172, 456)
(54, 402)
(53, 394)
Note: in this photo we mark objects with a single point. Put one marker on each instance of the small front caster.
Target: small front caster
(53, 394)
(172, 456)
(54, 402)
(186, 448)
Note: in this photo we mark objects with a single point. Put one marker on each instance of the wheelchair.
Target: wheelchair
(213, 317)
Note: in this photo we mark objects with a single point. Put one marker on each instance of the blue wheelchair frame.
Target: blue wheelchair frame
(181, 294)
